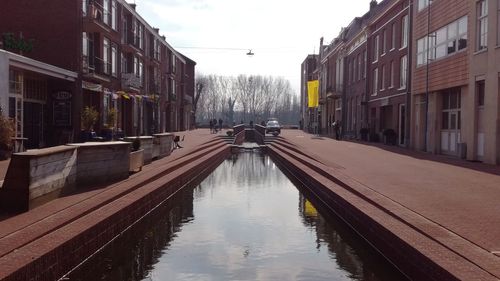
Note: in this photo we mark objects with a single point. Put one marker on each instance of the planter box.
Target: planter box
(146, 144)
(162, 145)
(136, 160)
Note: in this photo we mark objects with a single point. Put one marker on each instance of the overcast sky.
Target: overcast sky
(281, 33)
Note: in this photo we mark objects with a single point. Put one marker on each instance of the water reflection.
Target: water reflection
(240, 223)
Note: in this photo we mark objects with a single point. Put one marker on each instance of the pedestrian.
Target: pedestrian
(211, 126)
(214, 121)
(336, 128)
(220, 124)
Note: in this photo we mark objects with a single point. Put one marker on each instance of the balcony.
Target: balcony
(95, 68)
(130, 80)
(94, 12)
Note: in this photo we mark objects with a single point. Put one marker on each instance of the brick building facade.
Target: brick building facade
(122, 63)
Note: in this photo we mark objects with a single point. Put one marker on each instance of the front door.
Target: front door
(33, 125)
(401, 127)
(450, 127)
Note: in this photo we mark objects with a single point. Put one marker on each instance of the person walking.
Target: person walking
(211, 126)
(220, 124)
(336, 128)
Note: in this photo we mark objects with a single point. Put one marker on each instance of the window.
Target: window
(480, 93)
(87, 50)
(422, 4)
(375, 49)
(173, 62)
(136, 66)
(15, 82)
(105, 11)
(384, 38)
(482, 24)
(404, 31)
(141, 71)
(113, 14)
(375, 81)
(393, 39)
(382, 75)
(124, 64)
(105, 56)
(114, 60)
(403, 72)
(359, 67)
(365, 54)
(391, 70)
(443, 42)
(349, 71)
(141, 36)
(84, 7)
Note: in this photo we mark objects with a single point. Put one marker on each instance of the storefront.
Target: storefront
(38, 98)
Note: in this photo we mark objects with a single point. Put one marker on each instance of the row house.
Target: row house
(122, 63)
(332, 82)
(306, 74)
(440, 74)
(481, 104)
(388, 69)
(432, 76)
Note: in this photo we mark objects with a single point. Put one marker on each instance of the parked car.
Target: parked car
(273, 127)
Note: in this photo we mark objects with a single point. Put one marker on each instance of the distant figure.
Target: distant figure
(251, 123)
(211, 126)
(263, 123)
(336, 128)
(242, 122)
(214, 121)
(220, 124)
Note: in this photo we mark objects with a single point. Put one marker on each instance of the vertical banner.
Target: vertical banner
(313, 93)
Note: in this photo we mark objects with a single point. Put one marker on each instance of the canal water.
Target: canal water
(245, 221)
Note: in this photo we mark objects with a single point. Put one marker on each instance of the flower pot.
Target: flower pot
(136, 160)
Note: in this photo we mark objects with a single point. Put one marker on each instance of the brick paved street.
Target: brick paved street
(461, 196)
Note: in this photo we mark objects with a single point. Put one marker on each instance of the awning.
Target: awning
(92, 86)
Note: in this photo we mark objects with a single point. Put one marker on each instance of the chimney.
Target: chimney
(373, 4)
(133, 5)
(163, 37)
(157, 30)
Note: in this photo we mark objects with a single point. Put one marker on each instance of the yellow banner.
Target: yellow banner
(313, 93)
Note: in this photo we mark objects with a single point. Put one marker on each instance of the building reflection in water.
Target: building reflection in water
(247, 205)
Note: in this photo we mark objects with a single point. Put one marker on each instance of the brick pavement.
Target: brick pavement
(459, 196)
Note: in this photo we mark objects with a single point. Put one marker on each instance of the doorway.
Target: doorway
(33, 123)
(402, 122)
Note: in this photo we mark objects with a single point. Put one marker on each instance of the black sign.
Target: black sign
(61, 95)
(62, 113)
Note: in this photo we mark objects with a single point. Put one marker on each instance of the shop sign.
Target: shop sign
(17, 44)
(62, 95)
(92, 86)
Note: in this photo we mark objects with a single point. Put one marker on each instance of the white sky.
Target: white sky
(281, 33)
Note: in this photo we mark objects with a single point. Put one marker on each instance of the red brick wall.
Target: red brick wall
(54, 25)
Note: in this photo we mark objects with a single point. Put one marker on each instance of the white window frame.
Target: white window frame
(376, 49)
(375, 82)
(106, 46)
(105, 11)
(391, 85)
(114, 60)
(393, 39)
(382, 76)
(482, 25)
(442, 39)
(384, 43)
(403, 70)
(404, 31)
(113, 14)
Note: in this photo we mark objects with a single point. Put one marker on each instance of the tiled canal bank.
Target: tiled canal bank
(416, 210)
(46, 242)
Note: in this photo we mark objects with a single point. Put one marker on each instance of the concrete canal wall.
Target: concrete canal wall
(47, 246)
(420, 248)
